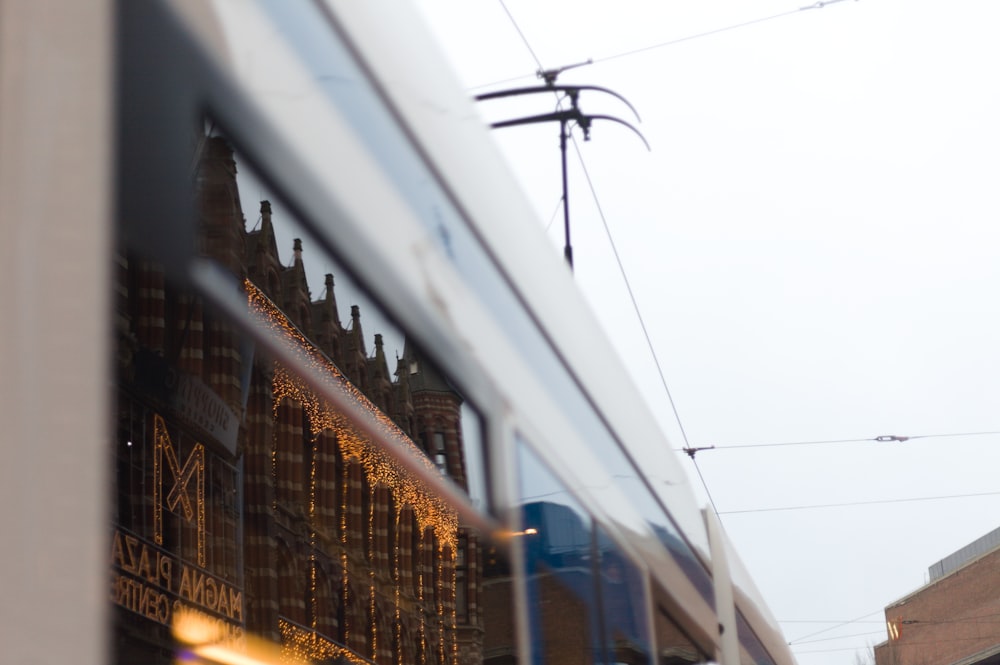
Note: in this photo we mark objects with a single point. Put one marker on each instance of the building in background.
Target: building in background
(955, 618)
(244, 498)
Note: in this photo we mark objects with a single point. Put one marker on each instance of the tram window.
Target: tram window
(752, 652)
(624, 605)
(245, 498)
(585, 599)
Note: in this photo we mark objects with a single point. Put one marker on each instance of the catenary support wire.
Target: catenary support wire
(860, 503)
(651, 47)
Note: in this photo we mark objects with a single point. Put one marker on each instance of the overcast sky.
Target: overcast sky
(812, 244)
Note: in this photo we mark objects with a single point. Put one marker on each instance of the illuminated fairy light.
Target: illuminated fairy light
(274, 477)
(314, 610)
(378, 465)
(439, 597)
(303, 645)
(398, 579)
(370, 551)
(431, 513)
(194, 466)
(345, 485)
(420, 597)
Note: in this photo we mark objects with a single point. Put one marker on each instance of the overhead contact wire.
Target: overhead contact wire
(643, 49)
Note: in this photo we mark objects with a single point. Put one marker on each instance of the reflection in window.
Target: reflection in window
(586, 600)
(243, 497)
(624, 605)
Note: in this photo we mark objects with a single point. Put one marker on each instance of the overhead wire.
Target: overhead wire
(842, 637)
(524, 39)
(836, 621)
(642, 322)
(716, 31)
(943, 640)
(978, 619)
(839, 625)
(631, 295)
(884, 438)
(651, 47)
(858, 503)
(831, 650)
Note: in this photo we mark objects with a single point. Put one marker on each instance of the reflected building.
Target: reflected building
(242, 496)
(584, 598)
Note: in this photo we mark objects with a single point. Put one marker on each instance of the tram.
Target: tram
(295, 366)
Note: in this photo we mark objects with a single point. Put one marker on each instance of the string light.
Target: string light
(432, 514)
(194, 465)
(378, 465)
(300, 644)
(373, 614)
(397, 627)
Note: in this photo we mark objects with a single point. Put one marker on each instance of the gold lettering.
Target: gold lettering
(235, 604)
(125, 593)
(211, 594)
(145, 603)
(163, 609)
(166, 566)
(117, 551)
(130, 543)
(185, 590)
(198, 589)
(139, 598)
(144, 569)
(178, 498)
(222, 602)
(116, 588)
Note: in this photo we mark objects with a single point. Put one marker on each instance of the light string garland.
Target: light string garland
(313, 535)
(301, 644)
(420, 597)
(194, 466)
(431, 511)
(345, 580)
(380, 469)
(372, 613)
(397, 578)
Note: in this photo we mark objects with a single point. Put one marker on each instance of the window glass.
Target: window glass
(586, 600)
(562, 593)
(252, 512)
(752, 652)
(624, 605)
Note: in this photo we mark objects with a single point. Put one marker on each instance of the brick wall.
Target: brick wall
(954, 620)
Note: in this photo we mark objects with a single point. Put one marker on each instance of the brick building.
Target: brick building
(243, 497)
(955, 618)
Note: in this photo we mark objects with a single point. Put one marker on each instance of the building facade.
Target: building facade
(245, 499)
(955, 618)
